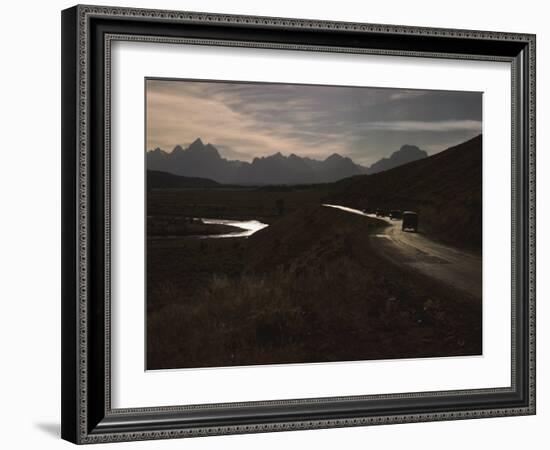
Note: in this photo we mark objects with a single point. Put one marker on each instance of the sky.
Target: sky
(247, 120)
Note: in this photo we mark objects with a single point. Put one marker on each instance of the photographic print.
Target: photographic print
(292, 223)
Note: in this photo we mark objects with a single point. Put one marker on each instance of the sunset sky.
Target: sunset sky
(245, 120)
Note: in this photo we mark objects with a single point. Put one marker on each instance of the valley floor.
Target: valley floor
(311, 287)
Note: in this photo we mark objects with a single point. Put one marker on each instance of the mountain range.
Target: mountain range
(204, 161)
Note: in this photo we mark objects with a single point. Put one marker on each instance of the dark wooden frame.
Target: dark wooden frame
(87, 32)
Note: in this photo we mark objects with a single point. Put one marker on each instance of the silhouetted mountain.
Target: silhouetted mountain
(406, 154)
(164, 180)
(204, 161)
(197, 160)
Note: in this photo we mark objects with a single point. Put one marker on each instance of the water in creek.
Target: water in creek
(248, 227)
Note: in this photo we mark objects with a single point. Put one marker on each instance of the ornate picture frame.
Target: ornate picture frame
(88, 33)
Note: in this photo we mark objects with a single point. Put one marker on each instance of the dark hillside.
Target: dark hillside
(164, 180)
(308, 238)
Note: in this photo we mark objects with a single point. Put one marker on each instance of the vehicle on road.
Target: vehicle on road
(410, 221)
(395, 214)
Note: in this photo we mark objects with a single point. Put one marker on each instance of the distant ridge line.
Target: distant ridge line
(201, 160)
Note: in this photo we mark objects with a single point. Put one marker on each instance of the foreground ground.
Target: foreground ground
(311, 287)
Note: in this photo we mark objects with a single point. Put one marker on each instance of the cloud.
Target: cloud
(417, 125)
(405, 94)
(245, 120)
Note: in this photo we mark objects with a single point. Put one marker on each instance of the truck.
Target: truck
(395, 214)
(410, 221)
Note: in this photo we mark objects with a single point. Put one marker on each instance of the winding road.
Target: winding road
(457, 268)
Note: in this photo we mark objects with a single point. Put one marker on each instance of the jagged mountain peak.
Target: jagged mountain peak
(197, 149)
(196, 146)
(406, 154)
(197, 143)
(209, 148)
(408, 148)
(335, 157)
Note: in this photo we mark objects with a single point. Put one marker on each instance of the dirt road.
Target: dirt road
(456, 268)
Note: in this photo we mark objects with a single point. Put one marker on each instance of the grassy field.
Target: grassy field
(308, 288)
